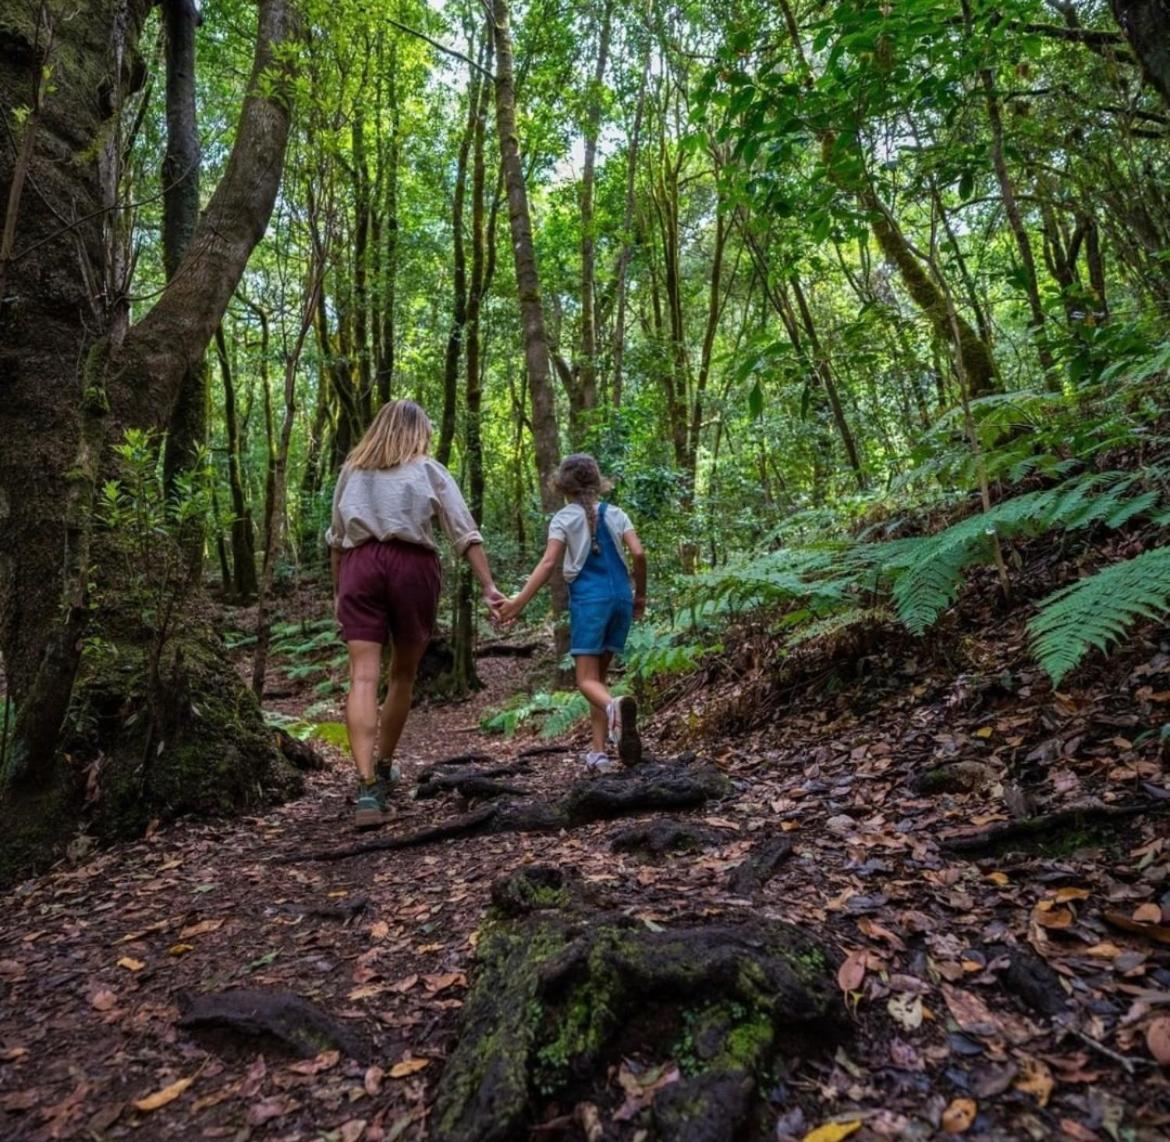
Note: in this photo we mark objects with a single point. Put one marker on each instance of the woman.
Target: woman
(386, 580)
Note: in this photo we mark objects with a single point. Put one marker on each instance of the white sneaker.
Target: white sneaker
(598, 762)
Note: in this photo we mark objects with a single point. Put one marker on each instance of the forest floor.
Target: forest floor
(98, 958)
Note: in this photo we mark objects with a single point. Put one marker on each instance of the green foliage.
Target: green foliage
(821, 592)
(333, 733)
(557, 711)
(927, 572)
(1098, 610)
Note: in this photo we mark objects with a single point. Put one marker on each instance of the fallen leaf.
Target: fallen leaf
(1148, 913)
(180, 949)
(403, 985)
(833, 1131)
(1070, 893)
(957, 1117)
(408, 1067)
(1035, 1078)
(851, 974)
(379, 930)
(20, 1100)
(11, 1054)
(322, 1062)
(1050, 914)
(201, 929)
(1159, 932)
(103, 999)
(160, 1098)
(352, 1130)
(131, 964)
(372, 1080)
(276, 1106)
(1158, 1039)
(906, 1010)
(435, 983)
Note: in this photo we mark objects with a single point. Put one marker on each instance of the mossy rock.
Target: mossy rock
(559, 996)
(204, 749)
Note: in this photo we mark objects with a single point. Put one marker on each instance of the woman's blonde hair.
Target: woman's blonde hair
(401, 431)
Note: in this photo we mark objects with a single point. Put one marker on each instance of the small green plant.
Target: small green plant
(559, 709)
(154, 534)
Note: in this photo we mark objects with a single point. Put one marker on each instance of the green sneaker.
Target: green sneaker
(369, 812)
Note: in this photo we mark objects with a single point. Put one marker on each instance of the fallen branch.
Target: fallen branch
(1033, 829)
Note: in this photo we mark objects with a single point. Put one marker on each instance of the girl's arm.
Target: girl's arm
(638, 555)
(540, 575)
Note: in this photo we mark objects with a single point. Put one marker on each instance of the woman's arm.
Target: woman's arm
(478, 560)
(638, 555)
(540, 575)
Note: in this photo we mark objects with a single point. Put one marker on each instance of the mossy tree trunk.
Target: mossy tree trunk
(75, 375)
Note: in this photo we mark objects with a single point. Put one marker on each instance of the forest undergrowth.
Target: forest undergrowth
(985, 855)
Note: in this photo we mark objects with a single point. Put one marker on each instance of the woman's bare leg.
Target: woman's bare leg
(361, 704)
(403, 668)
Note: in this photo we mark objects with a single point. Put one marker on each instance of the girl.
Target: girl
(386, 580)
(587, 534)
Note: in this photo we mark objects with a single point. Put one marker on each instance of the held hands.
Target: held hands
(509, 612)
(495, 599)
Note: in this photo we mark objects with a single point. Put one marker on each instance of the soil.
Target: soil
(1016, 992)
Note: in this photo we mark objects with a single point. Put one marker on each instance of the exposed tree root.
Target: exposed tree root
(469, 781)
(300, 1026)
(761, 865)
(591, 799)
(561, 995)
(662, 836)
(1067, 829)
(299, 753)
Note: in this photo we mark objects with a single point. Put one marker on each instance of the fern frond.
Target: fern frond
(928, 571)
(1097, 611)
(836, 624)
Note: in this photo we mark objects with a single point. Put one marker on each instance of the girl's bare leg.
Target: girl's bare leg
(591, 673)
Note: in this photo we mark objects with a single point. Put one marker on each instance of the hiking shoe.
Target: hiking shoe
(387, 775)
(598, 762)
(368, 812)
(629, 744)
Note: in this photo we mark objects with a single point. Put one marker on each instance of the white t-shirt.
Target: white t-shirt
(399, 503)
(571, 526)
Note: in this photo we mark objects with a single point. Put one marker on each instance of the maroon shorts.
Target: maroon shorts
(388, 591)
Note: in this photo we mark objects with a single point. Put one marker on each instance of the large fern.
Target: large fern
(1098, 610)
(927, 571)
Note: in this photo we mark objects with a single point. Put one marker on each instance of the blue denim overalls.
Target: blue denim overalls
(601, 600)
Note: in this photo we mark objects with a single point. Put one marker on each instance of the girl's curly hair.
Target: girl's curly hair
(578, 478)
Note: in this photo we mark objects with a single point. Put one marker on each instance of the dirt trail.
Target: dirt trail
(95, 960)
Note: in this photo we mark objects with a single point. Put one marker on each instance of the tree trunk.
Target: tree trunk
(1146, 24)
(243, 533)
(74, 376)
(180, 193)
(1011, 207)
(536, 345)
(974, 356)
(459, 306)
(619, 322)
(587, 366)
